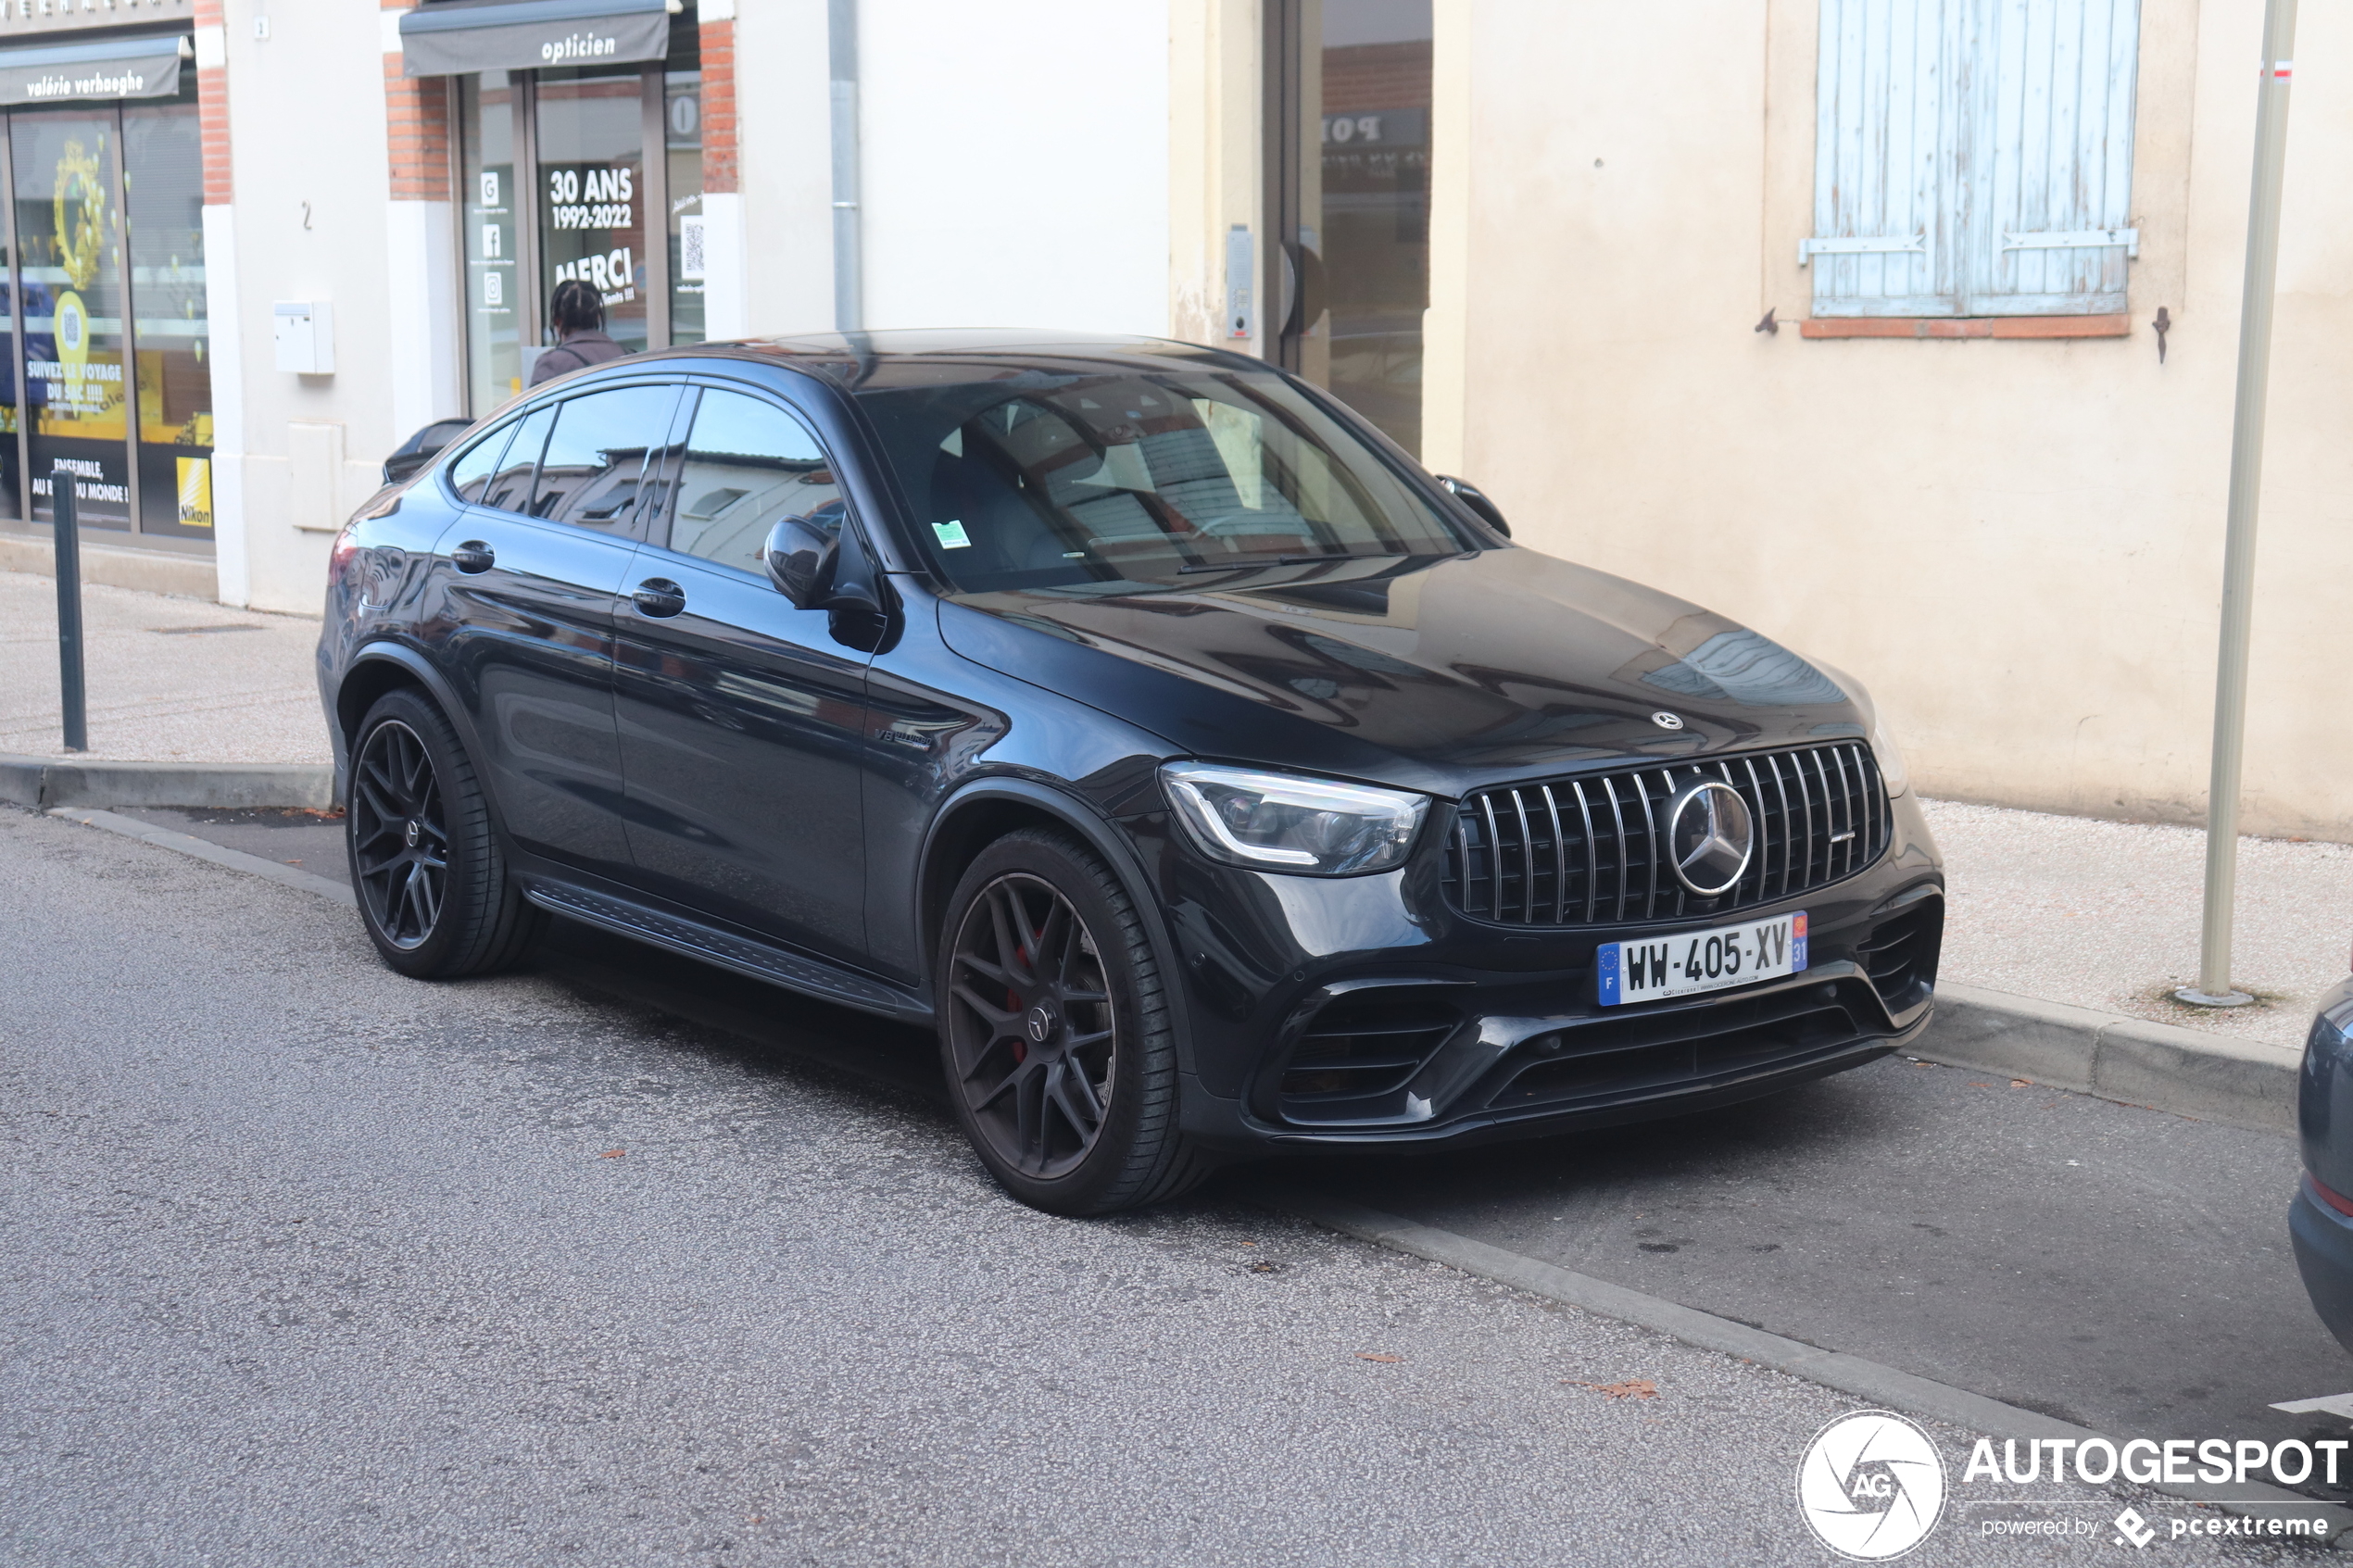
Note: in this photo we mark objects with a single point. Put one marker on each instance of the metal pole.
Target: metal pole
(2213, 987)
(841, 38)
(67, 530)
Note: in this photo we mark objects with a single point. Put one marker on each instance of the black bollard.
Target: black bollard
(68, 533)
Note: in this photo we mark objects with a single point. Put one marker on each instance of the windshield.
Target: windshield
(1044, 480)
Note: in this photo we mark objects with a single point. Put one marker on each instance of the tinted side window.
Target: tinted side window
(597, 457)
(473, 467)
(510, 487)
(747, 464)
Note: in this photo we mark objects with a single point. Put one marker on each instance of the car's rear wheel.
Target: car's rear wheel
(1055, 1032)
(432, 883)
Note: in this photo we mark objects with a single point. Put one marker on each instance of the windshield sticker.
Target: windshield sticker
(951, 535)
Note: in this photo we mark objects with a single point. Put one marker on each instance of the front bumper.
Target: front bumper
(1366, 1011)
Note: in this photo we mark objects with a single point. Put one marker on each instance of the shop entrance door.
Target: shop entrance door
(1348, 95)
(588, 144)
(592, 174)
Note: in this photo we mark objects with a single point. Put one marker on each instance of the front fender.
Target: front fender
(1100, 834)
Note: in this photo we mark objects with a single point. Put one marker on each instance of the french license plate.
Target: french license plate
(1691, 961)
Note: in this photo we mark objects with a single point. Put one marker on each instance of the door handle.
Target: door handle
(659, 597)
(473, 555)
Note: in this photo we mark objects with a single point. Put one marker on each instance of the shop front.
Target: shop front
(578, 125)
(104, 383)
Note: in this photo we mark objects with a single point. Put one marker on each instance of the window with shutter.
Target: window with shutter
(1973, 158)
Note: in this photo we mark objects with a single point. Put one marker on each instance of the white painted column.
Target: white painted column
(224, 328)
(727, 296)
(421, 248)
(421, 241)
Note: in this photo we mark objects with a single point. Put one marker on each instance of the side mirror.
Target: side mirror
(1476, 499)
(423, 448)
(800, 557)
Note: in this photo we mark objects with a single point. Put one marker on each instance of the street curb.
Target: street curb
(1891, 1387)
(44, 782)
(204, 849)
(2163, 1066)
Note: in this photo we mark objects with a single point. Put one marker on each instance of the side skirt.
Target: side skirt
(777, 966)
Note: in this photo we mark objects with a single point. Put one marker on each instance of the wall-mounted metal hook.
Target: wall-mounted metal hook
(2164, 323)
(306, 217)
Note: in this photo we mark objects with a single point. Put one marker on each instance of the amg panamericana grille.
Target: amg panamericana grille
(1589, 850)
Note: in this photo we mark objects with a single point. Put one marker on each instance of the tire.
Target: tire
(1074, 1111)
(426, 867)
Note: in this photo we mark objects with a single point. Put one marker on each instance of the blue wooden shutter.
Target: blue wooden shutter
(1888, 133)
(2051, 155)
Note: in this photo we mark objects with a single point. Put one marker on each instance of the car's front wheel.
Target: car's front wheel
(432, 885)
(1055, 1032)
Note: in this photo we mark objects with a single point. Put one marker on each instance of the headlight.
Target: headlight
(1891, 761)
(1282, 823)
(1892, 770)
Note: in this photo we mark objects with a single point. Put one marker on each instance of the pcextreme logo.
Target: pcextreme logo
(1872, 1485)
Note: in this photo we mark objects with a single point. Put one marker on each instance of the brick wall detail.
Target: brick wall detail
(719, 174)
(212, 116)
(417, 127)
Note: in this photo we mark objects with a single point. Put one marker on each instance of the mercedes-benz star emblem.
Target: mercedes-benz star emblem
(1039, 1025)
(1665, 721)
(1710, 836)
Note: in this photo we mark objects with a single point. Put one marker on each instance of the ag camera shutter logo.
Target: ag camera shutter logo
(1872, 1485)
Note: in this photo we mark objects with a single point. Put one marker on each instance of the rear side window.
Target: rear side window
(747, 464)
(470, 473)
(509, 486)
(595, 460)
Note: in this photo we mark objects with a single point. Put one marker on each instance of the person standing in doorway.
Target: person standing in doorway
(578, 314)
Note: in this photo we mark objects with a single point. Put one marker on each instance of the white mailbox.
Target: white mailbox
(305, 336)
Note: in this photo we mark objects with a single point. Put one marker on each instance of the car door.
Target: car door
(534, 568)
(741, 717)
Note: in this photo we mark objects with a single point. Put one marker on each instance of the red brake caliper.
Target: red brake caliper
(1012, 1005)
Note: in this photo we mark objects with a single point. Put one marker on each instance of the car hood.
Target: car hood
(1433, 674)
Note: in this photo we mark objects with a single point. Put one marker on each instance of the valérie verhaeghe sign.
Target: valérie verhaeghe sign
(122, 68)
(455, 37)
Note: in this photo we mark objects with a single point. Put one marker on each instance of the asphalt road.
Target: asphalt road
(620, 1260)
(2122, 1269)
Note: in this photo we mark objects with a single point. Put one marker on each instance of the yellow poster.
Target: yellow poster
(195, 492)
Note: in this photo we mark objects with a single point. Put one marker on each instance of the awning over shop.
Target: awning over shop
(453, 37)
(117, 68)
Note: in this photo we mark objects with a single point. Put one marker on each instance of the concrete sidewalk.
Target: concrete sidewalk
(2105, 915)
(170, 680)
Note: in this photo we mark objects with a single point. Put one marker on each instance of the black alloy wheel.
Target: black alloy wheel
(431, 882)
(399, 841)
(1034, 1031)
(1054, 1032)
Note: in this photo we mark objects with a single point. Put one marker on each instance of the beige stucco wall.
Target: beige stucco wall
(2016, 544)
(313, 194)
